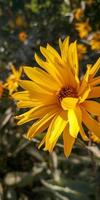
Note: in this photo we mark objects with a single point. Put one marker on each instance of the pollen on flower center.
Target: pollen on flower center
(66, 92)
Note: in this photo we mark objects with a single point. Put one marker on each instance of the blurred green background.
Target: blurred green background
(27, 173)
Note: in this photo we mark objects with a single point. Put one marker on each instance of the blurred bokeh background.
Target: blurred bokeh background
(27, 173)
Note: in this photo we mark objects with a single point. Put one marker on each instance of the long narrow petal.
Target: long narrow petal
(91, 123)
(68, 141)
(95, 93)
(50, 68)
(83, 134)
(95, 68)
(92, 107)
(85, 94)
(33, 87)
(74, 119)
(42, 78)
(95, 81)
(40, 125)
(56, 128)
(36, 113)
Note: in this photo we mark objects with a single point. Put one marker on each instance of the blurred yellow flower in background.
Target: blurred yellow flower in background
(1, 89)
(20, 21)
(81, 48)
(90, 2)
(95, 41)
(13, 79)
(22, 36)
(78, 13)
(83, 29)
(58, 99)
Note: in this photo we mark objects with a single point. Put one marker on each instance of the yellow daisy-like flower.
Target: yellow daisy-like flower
(83, 29)
(78, 13)
(58, 100)
(95, 41)
(13, 79)
(81, 48)
(1, 89)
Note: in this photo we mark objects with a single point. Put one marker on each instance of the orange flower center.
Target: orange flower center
(66, 92)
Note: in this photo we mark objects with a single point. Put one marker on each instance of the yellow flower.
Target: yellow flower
(89, 2)
(22, 36)
(58, 100)
(78, 13)
(81, 48)
(95, 41)
(1, 89)
(12, 81)
(83, 29)
(20, 21)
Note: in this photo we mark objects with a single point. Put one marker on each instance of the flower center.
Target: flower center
(66, 92)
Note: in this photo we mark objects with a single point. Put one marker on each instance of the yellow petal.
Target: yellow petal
(92, 106)
(95, 93)
(85, 94)
(40, 77)
(28, 104)
(73, 123)
(69, 103)
(73, 60)
(95, 68)
(68, 141)
(56, 128)
(95, 81)
(40, 125)
(82, 133)
(91, 123)
(24, 95)
(64, 48)
(32, 87)
(35, 113)
(42, 142)
(54, 52)
(51, 69)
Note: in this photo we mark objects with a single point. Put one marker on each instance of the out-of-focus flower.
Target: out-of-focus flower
(94, 138)
(95, 41)
(1, 89)
(13, 79)
(89, 2)
(58, 99)
(78, 13)
(81, 48)
(11, 24)
(22, 36)
(20, 21)
(83, 29)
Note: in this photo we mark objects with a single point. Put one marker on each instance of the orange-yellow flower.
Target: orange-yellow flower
(83, 29)
(78, 13)
(20, 21)
(89, 2)
(22, 36)
(1, 89)
(81, 48)
(58, 100)
(13, 79)
(95, 41)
